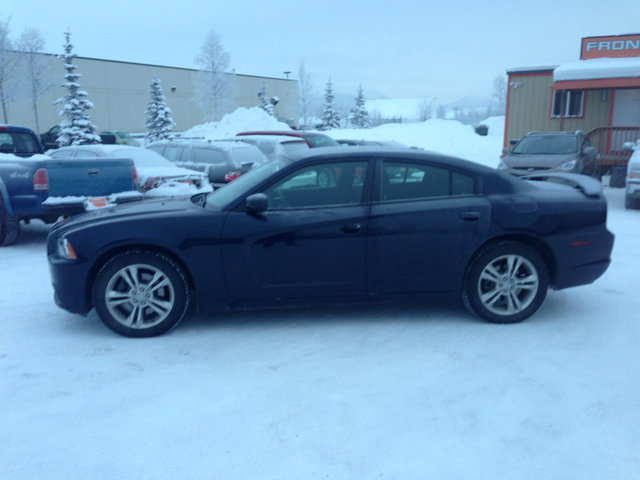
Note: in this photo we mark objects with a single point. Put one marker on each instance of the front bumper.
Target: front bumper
(633, 189)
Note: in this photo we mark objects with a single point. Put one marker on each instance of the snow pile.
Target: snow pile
(442, 136)
(242, 120)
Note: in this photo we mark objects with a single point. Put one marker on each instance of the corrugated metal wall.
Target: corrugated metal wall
(120, 92)
(530, 107)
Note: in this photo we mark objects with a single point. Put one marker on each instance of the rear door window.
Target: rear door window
(209, 156)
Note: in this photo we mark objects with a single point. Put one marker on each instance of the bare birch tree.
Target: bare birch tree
(215, 87)
(9, 62)
(499, 95)
(37, 77)
(305, 93)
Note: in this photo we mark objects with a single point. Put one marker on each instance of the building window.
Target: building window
(573, 103)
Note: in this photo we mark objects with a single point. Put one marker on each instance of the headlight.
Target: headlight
(502, 166)
(65, 250)
(568, 165)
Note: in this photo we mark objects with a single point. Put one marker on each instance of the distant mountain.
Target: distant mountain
(470, 101)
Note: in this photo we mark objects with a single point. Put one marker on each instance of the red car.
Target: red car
(313, 139)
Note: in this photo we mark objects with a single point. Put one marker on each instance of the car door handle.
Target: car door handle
(92, 172)
(470, 216)
(353, 228)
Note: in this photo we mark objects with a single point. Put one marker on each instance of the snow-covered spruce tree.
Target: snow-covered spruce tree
(159, 121)
(77, 128)
(265, 103)
(359, 115)
(330, 117)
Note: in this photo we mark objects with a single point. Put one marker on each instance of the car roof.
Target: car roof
(225, 144)
(328, 153)
(274, 138)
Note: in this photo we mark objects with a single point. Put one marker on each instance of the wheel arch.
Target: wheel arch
(531, 241)
(107, 255)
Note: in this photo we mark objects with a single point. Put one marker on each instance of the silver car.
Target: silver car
(550, 152)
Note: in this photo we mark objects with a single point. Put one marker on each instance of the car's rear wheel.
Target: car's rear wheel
(141, 293)
(9, 226)
(506, 283)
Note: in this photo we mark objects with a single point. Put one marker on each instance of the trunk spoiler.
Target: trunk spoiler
(588, 185)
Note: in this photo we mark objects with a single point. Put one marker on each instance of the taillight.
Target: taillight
(135, 175)
(41, 180)
(232, 175)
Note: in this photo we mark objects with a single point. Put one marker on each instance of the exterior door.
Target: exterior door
(423, 228)
(310, 242)
(626, 108)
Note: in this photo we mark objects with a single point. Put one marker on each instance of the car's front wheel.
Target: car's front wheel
(506, 283)
(141, 293)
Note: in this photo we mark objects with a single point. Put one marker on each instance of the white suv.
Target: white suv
(632, 188)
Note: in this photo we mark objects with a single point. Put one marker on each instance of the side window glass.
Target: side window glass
(323, 185)
(405, 181)
(173, 153)
(86, 153)
(208, 156)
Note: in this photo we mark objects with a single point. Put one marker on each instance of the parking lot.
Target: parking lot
(391, 391)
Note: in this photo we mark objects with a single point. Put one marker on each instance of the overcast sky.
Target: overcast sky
(399, 48)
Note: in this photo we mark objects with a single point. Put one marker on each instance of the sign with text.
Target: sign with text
(610, 47)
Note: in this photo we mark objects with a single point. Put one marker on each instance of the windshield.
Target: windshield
(142, 157)
(320, 140)
(546, 144)
(225, 195)
(18, 142)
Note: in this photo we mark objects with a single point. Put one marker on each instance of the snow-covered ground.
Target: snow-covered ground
(397, 391)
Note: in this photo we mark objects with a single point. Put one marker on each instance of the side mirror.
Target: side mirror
(506, 150)
(513, 141)
(628, 146)
(591, 152)
(256, 203)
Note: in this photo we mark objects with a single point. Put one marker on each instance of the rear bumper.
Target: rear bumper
(582, 256)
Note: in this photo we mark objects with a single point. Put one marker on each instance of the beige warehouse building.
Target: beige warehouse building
(120, 92)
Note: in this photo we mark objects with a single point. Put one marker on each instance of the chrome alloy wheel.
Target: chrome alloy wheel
(139, 296)
(508, 284)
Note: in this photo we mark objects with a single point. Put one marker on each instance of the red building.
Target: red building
(599, 94)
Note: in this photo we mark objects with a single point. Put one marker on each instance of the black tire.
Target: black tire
(9, 226)
(141, 293)
(631, 203)
(506, 283)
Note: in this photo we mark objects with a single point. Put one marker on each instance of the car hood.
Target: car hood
(133, 211)
(549, 161)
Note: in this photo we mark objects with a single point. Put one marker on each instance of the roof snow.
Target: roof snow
(598, 68)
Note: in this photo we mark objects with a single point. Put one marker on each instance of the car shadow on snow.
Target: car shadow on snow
(32, 233)
(434, 311)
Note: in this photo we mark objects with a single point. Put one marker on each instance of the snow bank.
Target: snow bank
(448, 137)
(242, 120)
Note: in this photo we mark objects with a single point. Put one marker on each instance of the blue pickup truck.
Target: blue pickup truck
(28, 178)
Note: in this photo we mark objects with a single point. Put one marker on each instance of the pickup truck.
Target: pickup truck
(28, 178)
(50, 139)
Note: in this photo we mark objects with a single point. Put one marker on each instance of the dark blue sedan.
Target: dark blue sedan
(336, 225)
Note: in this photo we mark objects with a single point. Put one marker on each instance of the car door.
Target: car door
(309, 243)
(425, 221)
